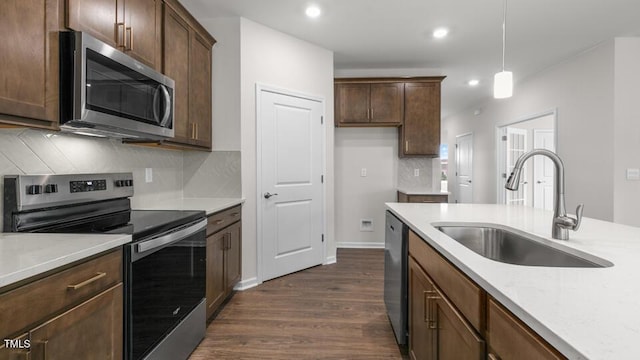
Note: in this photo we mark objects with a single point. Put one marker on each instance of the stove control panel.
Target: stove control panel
(87, 185)
(27, 192)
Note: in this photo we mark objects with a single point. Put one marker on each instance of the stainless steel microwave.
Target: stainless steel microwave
(104, 92)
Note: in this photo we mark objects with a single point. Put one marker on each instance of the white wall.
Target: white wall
(581, 89)
(627, 130)
(357, 197)
(272, 58)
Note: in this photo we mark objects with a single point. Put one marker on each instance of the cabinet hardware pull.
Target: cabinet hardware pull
(97, 277)
(218, 222)
(129, 29)
(371, 113)
(235, 214)
(196, 126)
(493, 357)
(406, 146)
(120, 35)
(427, 311)
(433, 322)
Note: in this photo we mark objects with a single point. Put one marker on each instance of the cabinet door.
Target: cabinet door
(102, 19)
(509, 338)
(91, 330)
(29, 61)
(215, 271)
(420, 133)
(387, 103)
(233, 259)
(143, 31)
(421, 293)
(352, 103)
(454, 338)
(176, 66)
(200, 90)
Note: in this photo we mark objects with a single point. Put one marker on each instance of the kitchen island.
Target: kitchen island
(585, 313)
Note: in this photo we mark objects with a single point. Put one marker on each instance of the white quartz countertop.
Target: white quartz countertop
(25, 255)
(209, 205)
(586, 313)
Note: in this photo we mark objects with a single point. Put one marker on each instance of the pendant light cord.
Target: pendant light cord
(504, 32)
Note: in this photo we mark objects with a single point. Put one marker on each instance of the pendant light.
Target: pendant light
(503, 81)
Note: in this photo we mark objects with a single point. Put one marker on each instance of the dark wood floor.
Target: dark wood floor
(326, 312)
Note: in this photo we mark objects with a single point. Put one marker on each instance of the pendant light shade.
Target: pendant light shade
(503, 85)
(503, 81)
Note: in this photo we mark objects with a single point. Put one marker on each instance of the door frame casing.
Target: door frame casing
(501, 158)
(260, 87)
(458, 164)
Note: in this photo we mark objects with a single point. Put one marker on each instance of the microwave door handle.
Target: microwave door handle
(155, 106)
(167, 105)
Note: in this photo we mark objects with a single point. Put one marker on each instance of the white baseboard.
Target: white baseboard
(330, 260)
(246, 284)
(360, 245)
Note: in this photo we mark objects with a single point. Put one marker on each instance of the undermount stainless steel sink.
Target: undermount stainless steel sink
(509, 247)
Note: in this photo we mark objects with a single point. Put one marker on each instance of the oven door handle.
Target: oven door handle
(171, 237)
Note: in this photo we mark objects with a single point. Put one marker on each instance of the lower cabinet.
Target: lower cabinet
(422, 198)
(224, 258)
(436, 329)
(76, 313)
(510, 338)
(450, 316)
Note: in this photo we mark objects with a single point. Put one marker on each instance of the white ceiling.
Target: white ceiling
(386, 34)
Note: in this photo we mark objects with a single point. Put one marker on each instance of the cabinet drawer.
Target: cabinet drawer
(509, 338)
(468, 297)
(33, 302)
(223, 219)
(428, 198)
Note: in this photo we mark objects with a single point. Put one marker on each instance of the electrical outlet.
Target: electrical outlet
(416, 172)
(363, 172)
(148, 175)
(633, 174)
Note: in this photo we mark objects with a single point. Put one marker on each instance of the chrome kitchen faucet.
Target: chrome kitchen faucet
(561, 222)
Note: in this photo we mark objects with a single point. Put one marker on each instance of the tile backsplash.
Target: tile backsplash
(27, 151)
(426, 166)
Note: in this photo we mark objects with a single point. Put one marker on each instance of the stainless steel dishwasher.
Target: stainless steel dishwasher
(395, 276)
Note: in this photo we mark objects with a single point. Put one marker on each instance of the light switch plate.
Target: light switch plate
(363, 172)
(148, 175)
(416, 172)
(633, 174)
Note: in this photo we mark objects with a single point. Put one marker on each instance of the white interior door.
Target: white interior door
(290, 189)
(464, 168)
(543, 171)
(516, 140)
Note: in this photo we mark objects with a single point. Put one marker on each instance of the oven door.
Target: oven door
(166, 281)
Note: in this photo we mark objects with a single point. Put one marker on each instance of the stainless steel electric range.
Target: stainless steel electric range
(164, 265)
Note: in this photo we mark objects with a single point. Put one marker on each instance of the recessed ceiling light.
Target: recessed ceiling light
(439, 33)
(313, 11)
(473, 82)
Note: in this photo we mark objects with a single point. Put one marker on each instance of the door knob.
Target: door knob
(268, 195)
(539, 182)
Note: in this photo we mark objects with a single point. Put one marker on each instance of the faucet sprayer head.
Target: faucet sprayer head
(513, 182)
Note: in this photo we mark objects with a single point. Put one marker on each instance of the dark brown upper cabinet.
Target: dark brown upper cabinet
(132, 26)
(29, 62)
(360, 102)
(420, 133)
